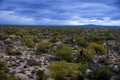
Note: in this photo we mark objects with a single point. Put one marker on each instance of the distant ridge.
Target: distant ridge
(83, 26)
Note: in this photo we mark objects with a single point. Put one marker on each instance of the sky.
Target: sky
(60, 12)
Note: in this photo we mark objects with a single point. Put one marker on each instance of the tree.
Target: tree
(61, 70)
(35, 39)
(89, 53)
(43, 46)
(98, 48)
(84, 55)
(54, 39)
(80, 41)
(29, 42)
(63, 52)
(109, 36)
(96, 38)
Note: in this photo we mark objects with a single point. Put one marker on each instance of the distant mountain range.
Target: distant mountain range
(87, 26)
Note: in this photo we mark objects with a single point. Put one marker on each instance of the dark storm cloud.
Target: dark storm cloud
(62, 11)
(1, 1)
(117, 3)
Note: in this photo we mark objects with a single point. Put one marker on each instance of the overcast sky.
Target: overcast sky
(60, 12)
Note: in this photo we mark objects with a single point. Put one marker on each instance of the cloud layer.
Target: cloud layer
(60, 12)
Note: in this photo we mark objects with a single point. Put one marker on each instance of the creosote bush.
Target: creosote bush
(64, 52)
(43, 46)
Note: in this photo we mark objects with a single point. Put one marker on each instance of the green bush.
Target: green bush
(40, 74)
(43, 46)
(29, 42)
(63, 52)
(80, 41)
(59, 70)
(98, 48)
(54, 39)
